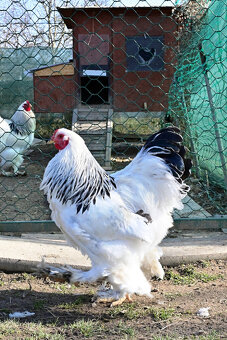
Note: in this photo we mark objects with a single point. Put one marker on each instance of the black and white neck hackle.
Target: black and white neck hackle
(79, 183)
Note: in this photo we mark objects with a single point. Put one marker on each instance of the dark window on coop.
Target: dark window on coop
(145, 53)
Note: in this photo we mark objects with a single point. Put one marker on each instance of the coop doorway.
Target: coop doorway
(94, 87)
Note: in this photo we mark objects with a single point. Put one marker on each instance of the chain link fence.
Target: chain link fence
(114, 72)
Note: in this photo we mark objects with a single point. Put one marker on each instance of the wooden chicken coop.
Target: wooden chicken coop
(123, 65)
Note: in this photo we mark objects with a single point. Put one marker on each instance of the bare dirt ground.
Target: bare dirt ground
(67, 312)
(21, 199)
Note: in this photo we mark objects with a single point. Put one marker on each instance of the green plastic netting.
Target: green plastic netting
(198, 93)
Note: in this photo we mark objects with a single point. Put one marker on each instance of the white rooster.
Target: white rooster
(117, 220)
(16, 136)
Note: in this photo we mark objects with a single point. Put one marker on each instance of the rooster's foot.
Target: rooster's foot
(13, 174)
(121, 300)
(7, 173)
(110, 297)
(21, 173)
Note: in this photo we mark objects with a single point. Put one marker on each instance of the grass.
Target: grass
(64, 288)
(161, 314)
(14, 329)
(133, 311)
(39, 304)
(212, 336)
(129, 311)
(28, 277)
(124, 329)
(86, 328)
(83, 299)
(139, 126)
(186, 274)
(27, 331)
(173, 296)
(8, 327)
(204, 263)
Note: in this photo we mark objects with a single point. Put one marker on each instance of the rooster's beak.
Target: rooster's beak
(50, 141)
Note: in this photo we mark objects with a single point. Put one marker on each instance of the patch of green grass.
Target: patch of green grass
(39, 304)
(133, 311)
(129, 311)
(167, 337)
(187, 274)
(45, 336)
(173, 296)
(13, 329)
(161, 314)
(124, 329)
(26, 276)
(64, 288)
(141, 125)
(83, 299)
(8, 327)
(178, 279)
(68, 305)
(211, 336)
(43, 332)
(204, 263)
(86, 328)
(91, 291)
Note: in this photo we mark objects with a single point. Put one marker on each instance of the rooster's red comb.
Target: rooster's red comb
(27, 105)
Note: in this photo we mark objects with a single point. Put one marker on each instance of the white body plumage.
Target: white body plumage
(4, 132)
(120, 242)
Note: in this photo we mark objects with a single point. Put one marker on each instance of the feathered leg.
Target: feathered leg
(15, 163)
(69, 274)
(157, 270)
(87, 245)
(152, 264)
(55, 274)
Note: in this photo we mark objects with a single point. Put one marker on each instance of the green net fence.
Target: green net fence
(115, 72)
(199, 91)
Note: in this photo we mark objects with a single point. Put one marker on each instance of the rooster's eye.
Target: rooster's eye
(60, 136)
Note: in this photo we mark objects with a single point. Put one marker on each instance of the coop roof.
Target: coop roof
(54, 70)
(68, 14)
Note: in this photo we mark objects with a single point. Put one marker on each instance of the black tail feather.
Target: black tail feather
(187, 171)
(167, 144)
